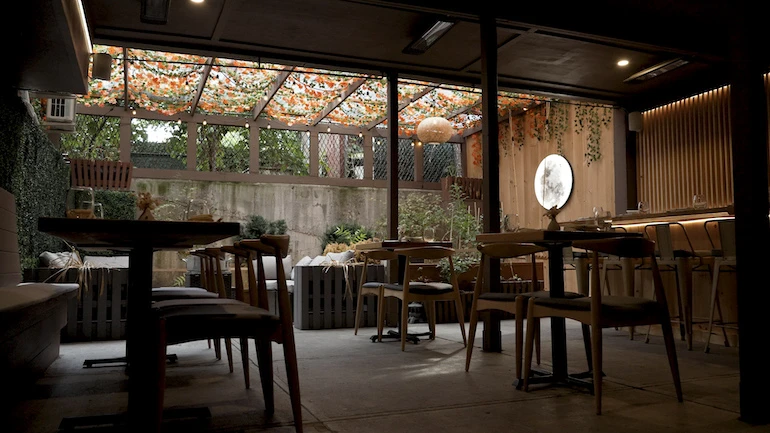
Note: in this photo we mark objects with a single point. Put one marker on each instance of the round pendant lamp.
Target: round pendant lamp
(435, 130)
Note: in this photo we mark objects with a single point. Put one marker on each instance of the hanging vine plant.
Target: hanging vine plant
(518, 130)
(557, 123)
(538, 122)
(593, 118)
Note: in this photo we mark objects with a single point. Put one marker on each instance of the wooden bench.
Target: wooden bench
(32, 315)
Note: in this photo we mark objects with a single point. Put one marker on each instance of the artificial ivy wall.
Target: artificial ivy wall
(32, 169)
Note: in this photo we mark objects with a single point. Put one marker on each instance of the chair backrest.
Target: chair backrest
(505, 250)
(10, 268)
(215, 262)
(276, 246)
(664, 241)
(727, 238)
(623, 247)
(238, 254)
(427, 253)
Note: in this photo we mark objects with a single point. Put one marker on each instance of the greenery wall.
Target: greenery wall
(31, 169)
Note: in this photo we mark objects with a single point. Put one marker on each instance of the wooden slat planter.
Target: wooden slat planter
(100, 174)
(96, 314)
(320, 300)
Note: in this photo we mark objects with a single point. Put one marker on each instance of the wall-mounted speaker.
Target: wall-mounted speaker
(635, 121)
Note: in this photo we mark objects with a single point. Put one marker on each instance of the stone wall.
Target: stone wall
(307, 209)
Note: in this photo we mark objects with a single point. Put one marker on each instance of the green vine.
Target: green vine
(557, 123)
(518, 130)
(592, 118)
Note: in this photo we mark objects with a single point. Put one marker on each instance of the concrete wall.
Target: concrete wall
(307, 209)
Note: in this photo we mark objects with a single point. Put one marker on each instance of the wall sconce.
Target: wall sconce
(101, 68)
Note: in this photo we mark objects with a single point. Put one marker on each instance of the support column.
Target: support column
(314, 154)
(192, 140)
(254, 150)
(368, 157)
(491, 166)
(125, 139)
(392, 165)
(748, 121)
(419, 161)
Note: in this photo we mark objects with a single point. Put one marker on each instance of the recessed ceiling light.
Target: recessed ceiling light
(623, 62)
(197, 1)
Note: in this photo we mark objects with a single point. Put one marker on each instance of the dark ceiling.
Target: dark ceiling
(551, 48)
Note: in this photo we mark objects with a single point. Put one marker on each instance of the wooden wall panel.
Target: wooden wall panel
(594, 184)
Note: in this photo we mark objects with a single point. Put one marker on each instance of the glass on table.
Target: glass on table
(80, 202)
(98, 210)
(699, 201)
(198, 210)
(643, 207)
(429, 234)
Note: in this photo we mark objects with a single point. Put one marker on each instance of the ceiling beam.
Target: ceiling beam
(201, 84)
(463, 110)
(277, 83)
(222, 20)
(334, 103)
(401, 106)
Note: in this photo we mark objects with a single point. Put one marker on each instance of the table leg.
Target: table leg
(558, 324)
(143, 407)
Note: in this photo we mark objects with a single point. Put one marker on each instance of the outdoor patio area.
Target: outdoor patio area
(350, 384)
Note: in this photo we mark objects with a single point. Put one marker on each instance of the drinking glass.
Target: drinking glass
(515, 224)
(197, 209)
(699, 201)
(98, 211)
(80, 202)
(643, 207)
(429, 234)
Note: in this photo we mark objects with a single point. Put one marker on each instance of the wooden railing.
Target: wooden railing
(101, 174)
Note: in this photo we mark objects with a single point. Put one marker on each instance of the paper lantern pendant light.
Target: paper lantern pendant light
(435, 130)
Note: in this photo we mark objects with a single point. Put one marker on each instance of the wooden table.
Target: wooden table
(140, 239)
(555, 241)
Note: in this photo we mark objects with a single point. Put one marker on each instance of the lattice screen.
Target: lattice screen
(405, 158)
(340, 156)
(437, 160)
(380, 145)
(222, 148)
(284, 152)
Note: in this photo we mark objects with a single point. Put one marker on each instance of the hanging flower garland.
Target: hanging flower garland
(594, 118)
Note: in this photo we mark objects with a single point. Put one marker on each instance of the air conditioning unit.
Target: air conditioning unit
(60, 110)
(60, 114)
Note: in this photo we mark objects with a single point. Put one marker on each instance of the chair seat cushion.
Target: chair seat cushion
(422, 288)
(230, 311)
(173, 288)
(511, 297)
(172, 303)
(613, 307)
(185, 293)
(371, 285)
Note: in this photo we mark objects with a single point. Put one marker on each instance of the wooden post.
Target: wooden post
(192, 139)
(254, 150)
(491, 168)
(368, 157)
(125, 139)
(748, 119)
(314, 153)
(392, 165)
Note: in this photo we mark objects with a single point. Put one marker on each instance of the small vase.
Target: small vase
(146, 215)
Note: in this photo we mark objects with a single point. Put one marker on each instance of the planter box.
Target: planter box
(320, 299)
(99, 312)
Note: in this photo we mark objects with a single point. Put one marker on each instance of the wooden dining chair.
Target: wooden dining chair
(513, 303)
(241, 320)
(601, 311)
(372, 287)
(412, 290)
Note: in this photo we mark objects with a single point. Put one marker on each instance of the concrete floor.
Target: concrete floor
(351, 385)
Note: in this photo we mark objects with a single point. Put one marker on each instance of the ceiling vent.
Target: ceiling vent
(657, 70)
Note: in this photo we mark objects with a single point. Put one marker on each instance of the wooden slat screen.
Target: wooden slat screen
(685, 148)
